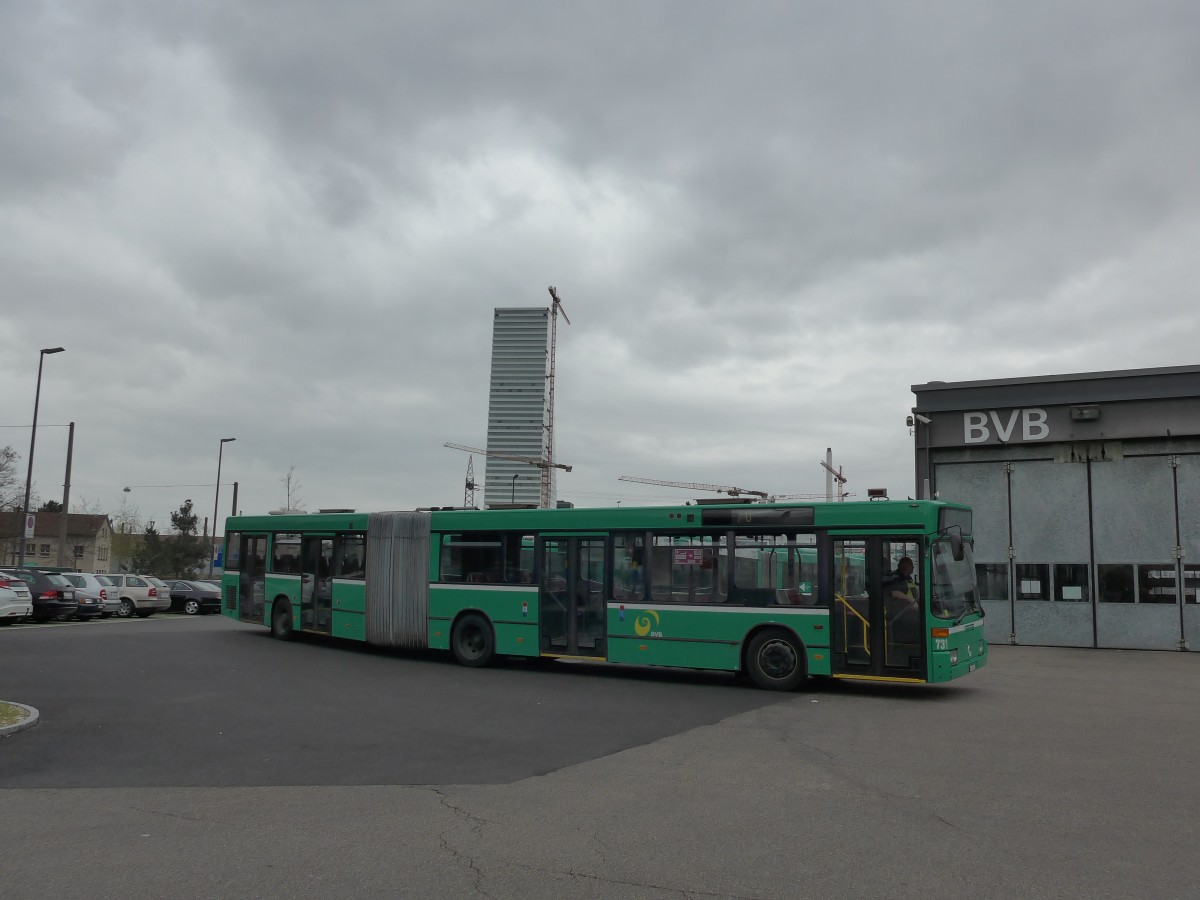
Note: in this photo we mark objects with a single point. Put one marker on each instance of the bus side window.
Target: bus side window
(518, 558)
(687, 569)
(350, 556)
(629, 568)
(776, 568)
(233, 551)
(285, 554)
(476, 558)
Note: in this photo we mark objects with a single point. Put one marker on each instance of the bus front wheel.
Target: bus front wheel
(281, 620)
(472, 641)
(775, 660)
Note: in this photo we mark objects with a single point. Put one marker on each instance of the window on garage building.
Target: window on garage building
(1033, 581)
(1115, 581)
(1191, 581)
(1156, 583)
(1071, 582)
(993, 581)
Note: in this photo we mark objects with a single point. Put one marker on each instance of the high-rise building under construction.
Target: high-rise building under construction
(518, 406)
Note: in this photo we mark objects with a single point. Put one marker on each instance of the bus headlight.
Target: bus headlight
(954, 657)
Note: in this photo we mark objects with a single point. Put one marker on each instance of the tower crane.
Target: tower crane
(513, 457)
(833, 475)
(471, 486)
(696, 486)
(542, 464)
(555, 309)
(762, 496)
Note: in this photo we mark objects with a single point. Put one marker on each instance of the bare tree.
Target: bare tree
(292, 486)
(12, 489)
(85, 507)
(12, 496)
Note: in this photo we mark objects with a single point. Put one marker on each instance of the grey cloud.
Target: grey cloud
(293, 222)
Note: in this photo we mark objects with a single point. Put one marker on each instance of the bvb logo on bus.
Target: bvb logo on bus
(642, 626)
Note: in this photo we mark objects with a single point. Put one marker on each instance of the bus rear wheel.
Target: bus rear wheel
(472, 641)
(281, 620)
(775, 660)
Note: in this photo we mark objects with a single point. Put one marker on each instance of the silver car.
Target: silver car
(97, 588)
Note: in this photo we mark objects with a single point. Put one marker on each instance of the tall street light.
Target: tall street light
(216, 499)
(37, 397)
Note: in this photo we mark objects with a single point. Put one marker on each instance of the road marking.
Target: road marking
(31, 626)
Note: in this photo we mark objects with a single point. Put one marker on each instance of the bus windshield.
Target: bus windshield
(953, 592)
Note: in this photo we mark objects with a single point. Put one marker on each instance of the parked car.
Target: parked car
(14, 607)
(195, 597)
(96, 588)
(163, 589)
(137, 594)
(52, 595)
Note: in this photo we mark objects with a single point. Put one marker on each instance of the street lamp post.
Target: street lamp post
(514, 488)
(216, 500)
(37, 397)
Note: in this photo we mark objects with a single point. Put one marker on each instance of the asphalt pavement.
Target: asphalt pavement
(183, 757)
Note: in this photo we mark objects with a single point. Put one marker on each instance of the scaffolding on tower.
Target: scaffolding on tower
(547, 488)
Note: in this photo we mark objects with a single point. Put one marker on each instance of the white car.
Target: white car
(16, 603)
(138, 595)
(97, 588)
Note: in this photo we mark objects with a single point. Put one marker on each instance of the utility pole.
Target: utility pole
(66, 505)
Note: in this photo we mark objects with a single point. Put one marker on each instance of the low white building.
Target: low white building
(88, 546)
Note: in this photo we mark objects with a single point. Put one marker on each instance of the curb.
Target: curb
(31, 719)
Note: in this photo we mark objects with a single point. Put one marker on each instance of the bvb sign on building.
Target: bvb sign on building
(1086, 491)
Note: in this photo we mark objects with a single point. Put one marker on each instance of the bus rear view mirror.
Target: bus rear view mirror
(956, 543)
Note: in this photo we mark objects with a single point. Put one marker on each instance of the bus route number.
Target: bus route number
(941, 643)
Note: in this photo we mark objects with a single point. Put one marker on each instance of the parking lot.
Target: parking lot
(194, 756)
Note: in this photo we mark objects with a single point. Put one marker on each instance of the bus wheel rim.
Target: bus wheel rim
(472, 642)
(777, 659)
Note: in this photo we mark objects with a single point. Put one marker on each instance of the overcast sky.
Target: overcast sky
(289, 222)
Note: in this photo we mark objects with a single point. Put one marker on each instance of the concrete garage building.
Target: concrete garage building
(1086, 491)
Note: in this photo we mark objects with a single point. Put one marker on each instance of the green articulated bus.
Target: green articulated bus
(780, 591)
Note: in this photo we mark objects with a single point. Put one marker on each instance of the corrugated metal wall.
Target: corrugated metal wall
(398, 579)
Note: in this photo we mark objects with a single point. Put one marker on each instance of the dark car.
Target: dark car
(194, 597)
(53, 596)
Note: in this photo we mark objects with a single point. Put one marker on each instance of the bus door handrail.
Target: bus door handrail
(845, 632)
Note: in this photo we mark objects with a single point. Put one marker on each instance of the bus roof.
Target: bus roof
(879, 513)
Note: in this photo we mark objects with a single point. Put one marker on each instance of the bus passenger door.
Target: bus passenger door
(252, 578)
(573, 590)
(875, 633)
(316, 584)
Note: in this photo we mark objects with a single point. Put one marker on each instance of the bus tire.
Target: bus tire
(281, 620)
(472, 640)
(775, 660)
